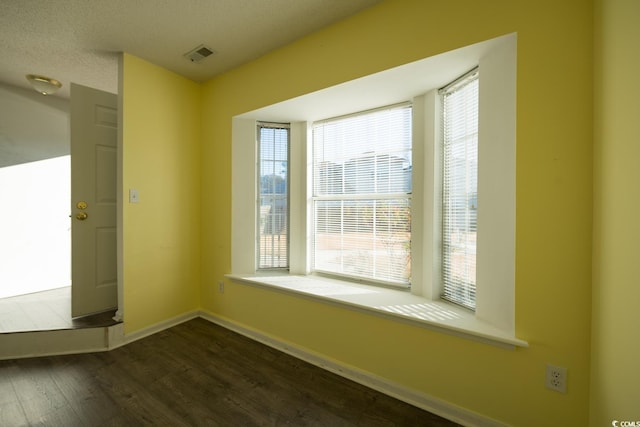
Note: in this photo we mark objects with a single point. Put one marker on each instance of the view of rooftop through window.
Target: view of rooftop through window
(361, 195)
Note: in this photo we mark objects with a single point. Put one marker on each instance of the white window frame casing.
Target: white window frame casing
(451, 291)
(275, 126)
(405, 110)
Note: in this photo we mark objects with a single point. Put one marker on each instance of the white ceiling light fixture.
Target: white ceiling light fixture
(44, 85)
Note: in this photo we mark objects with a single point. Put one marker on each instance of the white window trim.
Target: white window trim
(496, 181)
(387, 303)
(397, 194)
(244, 195)
(265, 125)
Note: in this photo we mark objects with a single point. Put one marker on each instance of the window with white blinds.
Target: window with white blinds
(360, 208)
(460, 189)
(273, 197)
(362, 196)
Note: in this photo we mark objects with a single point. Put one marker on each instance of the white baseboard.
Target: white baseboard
(20, 345)
(115, 336)
(421, 400)
(161, 326)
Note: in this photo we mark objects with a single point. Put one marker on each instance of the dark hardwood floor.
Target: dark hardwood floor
(194, 374)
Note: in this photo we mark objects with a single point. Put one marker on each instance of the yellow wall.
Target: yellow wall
(554, 204)
(161, 158)
(615, 392)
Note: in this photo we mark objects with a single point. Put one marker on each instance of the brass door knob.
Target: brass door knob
(81, 216)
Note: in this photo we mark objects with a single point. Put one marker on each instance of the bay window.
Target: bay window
(402, 179)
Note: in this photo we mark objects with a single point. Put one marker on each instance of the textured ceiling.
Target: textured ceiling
(79, 40)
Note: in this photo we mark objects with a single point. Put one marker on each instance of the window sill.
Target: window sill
(388, 303)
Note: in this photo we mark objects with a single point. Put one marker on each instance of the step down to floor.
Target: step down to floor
(18, 345)
(105, 318)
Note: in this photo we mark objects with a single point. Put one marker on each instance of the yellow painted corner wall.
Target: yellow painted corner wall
(161, 159)
(615, 379)
(554, 205)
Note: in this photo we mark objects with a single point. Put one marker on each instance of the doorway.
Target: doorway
(35, 225)
(35, 252)
(34, 201)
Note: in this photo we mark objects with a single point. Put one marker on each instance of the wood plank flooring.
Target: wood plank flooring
(45, 311)
(194, 374)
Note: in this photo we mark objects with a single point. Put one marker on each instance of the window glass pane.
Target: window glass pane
(273, 203)
(361, 195)
(364, 238)
(460, 191)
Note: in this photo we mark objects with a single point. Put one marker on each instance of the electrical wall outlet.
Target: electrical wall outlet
(221, 287)
(556, 378)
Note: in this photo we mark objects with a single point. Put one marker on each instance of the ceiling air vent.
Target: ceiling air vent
(199, 53)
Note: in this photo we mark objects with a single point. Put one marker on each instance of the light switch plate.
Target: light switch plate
(134, 195)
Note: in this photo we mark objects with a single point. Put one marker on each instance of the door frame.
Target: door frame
(119, 316)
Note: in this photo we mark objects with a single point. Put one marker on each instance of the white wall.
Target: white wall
(35, 249)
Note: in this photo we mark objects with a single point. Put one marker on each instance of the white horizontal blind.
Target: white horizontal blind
(362, 195)
(273, 197)
(460, 190)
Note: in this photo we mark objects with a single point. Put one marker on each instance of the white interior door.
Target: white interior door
(94, 124)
